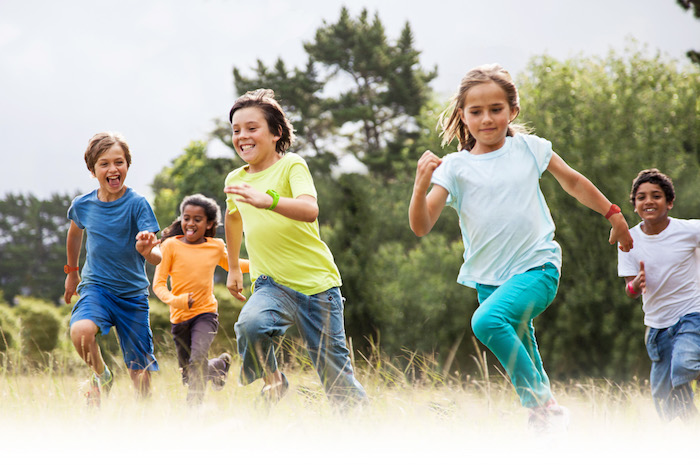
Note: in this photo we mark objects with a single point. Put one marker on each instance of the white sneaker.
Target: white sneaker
(551, 419)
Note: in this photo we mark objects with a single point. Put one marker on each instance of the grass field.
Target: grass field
(44, 420)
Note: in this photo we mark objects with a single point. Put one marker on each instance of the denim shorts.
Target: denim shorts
(128, 315)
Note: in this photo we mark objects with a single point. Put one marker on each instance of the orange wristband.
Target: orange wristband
(613, 210)
(68, 269)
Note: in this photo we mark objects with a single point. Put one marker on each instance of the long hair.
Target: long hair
(450, 120)
(277, 121)
(211, 210)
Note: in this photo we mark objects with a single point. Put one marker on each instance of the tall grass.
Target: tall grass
(418, 417)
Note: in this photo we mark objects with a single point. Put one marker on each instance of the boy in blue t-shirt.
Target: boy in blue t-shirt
(121, 236)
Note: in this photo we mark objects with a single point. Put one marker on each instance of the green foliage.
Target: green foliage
(608, 118)
(9, 329)
(33, 246)
(41, 327)
(192, 172)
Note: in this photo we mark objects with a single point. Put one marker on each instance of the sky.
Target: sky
(160, 71)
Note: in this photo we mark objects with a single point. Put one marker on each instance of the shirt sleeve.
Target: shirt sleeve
(541, 149)
(231, 206)
(160, 277)
(300, 180)
(73, 214)
(146, 219)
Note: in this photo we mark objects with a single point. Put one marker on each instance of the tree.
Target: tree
(693, 55)
(33, 246)
(608, 118)
(358, 95)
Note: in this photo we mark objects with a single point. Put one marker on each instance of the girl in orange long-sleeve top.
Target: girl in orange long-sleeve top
(190, 256)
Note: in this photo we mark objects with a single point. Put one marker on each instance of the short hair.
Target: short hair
(653, 176)
(100, 143)
(264, 99)
(450, 121)
(211, 210)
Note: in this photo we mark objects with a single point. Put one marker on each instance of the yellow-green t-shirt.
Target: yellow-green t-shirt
(289, 251)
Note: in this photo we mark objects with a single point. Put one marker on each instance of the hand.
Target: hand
(620, 233)
(71, 285)
(145, 242)
(640, 281)
(190, 300)
(427, 164)
(250, 195)
(234, 283)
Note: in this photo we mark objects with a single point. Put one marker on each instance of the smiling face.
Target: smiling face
(253, 140)
(486, 113)
(651, 205)
(194, 224)
(110, 171)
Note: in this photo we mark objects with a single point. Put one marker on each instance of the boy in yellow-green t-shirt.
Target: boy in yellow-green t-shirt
(272, 199)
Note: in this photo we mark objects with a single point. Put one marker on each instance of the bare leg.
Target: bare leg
(83, 334)
(142, 382)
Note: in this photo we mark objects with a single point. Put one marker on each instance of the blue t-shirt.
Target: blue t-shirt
(505, 222)
(112, 260)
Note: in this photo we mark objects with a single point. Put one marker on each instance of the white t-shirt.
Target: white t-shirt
(505, 222)
(671, 270)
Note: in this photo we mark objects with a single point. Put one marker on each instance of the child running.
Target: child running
(121, 236)
(190, 257)
(662, 268)
(510, 256)
(272, 199)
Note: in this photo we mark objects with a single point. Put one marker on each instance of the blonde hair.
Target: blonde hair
(102, 142)
(450, 120)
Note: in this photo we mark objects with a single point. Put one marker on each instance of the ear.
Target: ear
(670, 205)
(514, 113)
(210, 224)
(461, 115)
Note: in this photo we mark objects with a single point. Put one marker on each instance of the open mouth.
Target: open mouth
(114, 181)
(247, 147)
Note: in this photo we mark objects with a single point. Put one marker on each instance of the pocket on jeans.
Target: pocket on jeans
(652, 346)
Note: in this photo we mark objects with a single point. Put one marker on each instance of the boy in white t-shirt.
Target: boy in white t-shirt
(662, 268)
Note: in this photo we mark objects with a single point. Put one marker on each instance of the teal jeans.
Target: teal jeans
(504, 323)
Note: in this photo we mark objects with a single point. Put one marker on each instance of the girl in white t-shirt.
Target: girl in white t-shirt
(662, 268)
(510, 255)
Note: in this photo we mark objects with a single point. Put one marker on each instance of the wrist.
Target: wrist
(275, 199)
(614, 209)
(630, 288)
(67, 269)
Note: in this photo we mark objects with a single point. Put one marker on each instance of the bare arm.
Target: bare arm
(638, 283)
(147, 245)
(74, 240)
(578, 186)
(234, 234)
(424, 210)
(303, 208)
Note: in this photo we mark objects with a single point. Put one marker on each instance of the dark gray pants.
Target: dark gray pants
(192, 341)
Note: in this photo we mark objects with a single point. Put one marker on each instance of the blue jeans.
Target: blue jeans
(271, 310)
(675, 362)
(504, 323)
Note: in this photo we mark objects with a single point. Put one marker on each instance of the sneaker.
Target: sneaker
(218, 382)
(272, 393)
(551, 419)
(106, 385)
(93, 392)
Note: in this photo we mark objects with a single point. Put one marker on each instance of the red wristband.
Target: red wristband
(630, 289)
(613, 210)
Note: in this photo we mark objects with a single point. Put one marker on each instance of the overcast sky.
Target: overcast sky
(160, 72)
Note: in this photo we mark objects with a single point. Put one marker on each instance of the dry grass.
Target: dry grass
(44, 419)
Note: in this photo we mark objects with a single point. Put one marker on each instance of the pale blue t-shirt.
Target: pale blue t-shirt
(112, 260)
(506, 225)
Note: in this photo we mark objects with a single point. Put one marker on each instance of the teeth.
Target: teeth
(246, 147)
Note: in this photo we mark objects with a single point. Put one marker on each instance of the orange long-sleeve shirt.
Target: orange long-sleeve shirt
(191, 270)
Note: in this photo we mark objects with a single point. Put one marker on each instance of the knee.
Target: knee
(251, 329)
(484, 324)
(83, 332)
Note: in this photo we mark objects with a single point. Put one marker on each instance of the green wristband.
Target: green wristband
(275, 198)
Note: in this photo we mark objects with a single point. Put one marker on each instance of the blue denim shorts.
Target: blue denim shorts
(128, 315)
